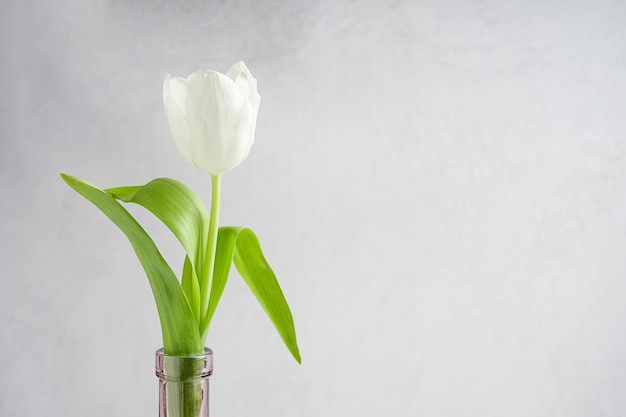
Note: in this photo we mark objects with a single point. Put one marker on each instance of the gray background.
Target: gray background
(439, 185)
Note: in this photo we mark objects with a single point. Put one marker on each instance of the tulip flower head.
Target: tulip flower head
(212, 116)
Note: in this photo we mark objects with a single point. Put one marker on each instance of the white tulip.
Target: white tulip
(212, 116)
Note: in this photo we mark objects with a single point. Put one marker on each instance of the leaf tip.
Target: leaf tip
(68, 178)
(296, 355)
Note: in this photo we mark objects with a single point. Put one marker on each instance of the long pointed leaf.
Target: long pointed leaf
(241, 245)
(179, 208)
(178, 325)
(192, 288)
(226, 238)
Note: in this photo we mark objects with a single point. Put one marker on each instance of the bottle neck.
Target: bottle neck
(184, 384)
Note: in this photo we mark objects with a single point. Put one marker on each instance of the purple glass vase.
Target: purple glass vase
(184, 384)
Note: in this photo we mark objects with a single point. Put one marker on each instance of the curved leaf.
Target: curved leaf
(178, 325)
(192, 288)
(241, 245)
(179, 208)
(226, 238)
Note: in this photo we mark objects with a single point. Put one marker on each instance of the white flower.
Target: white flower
(212, 116)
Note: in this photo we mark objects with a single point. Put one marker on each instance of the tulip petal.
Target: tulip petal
(197, 76)
(248, 86)
(175, 90)
(240, 74)
(220, 120)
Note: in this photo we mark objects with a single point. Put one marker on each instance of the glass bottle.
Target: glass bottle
(184, 384)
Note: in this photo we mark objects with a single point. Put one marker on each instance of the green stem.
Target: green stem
(209, 261)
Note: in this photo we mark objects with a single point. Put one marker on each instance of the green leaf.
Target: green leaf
(226, 238)
(192, 288)
(178, 325)
(242, 245)
(179, 208)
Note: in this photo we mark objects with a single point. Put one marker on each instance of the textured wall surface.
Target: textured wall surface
(439, 185)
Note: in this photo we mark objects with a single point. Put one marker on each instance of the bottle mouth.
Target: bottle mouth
(173, 368)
